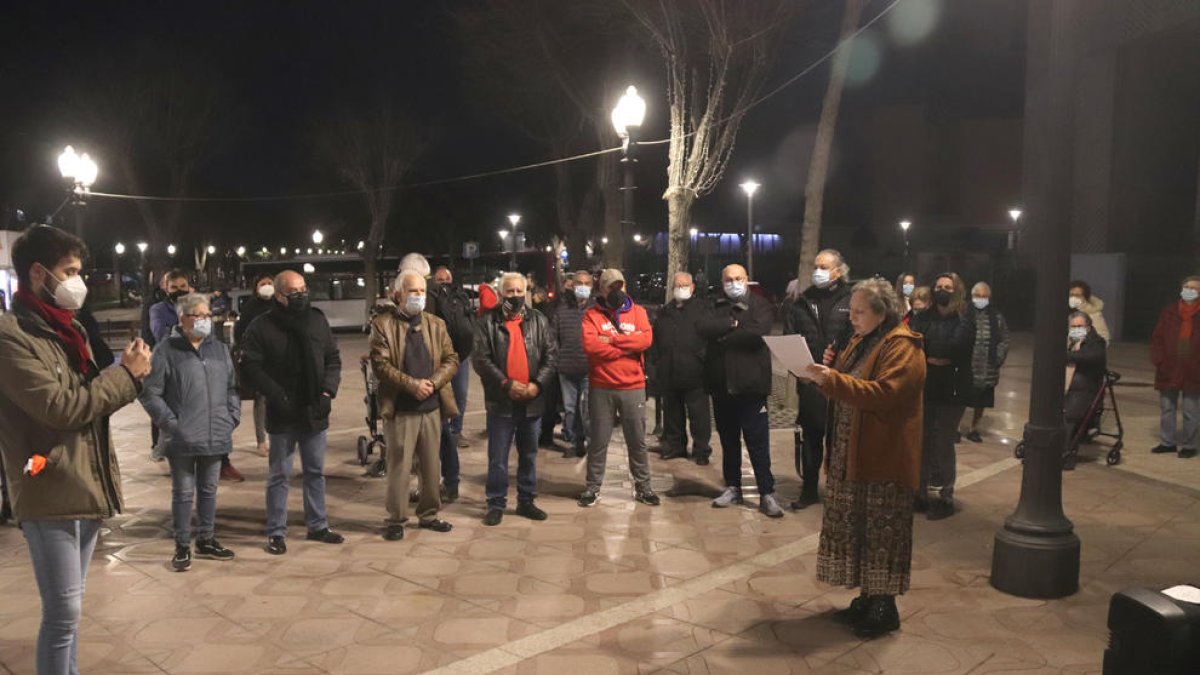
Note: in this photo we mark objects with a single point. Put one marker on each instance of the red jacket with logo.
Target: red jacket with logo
(618, 363)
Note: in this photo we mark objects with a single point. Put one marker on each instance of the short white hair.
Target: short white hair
(981, 286)
(398, 283)
(414, 262)
(189, 302)
(509, 276)
(687, 275)
(841, 262)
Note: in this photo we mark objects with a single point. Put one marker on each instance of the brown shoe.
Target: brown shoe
(228, 472)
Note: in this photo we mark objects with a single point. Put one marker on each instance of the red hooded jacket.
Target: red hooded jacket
(618, 363)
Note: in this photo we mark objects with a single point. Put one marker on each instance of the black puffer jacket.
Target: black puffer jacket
(252, 308)
(822, 316)
(451, 304)
(269, 366)
(491, 359)
(678, 349)
(946, 337)
(567, 326)
(737, 360)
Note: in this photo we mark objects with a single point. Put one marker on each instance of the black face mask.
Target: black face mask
(176, 295)
(942, 298)
(615, 299)
(514, 304)
(297, 302)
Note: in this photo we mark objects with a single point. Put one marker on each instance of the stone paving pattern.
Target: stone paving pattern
(618, 588)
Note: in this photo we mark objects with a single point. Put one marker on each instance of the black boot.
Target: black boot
(808, 496)
(880, 617)
(852, 614)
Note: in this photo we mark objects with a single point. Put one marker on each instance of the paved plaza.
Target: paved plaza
(618, 588)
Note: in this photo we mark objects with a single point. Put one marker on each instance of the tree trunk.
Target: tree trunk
(679, 211)
(818, 170)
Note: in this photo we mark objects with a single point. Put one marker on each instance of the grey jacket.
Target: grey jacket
(191, 394)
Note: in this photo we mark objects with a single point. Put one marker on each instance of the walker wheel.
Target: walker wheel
(1019, 451)
(1114, 455)
(364, 450)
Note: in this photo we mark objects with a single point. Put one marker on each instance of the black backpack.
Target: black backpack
(455, 309)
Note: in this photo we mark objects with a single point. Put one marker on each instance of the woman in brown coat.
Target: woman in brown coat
(874, 463)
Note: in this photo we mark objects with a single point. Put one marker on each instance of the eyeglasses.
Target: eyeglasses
(199, 316)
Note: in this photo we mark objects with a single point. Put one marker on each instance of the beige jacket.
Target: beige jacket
(389, 332)
(48, 408)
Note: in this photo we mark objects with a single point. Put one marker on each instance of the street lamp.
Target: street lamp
(241, 251)
(318, 236)
(212, 250)
(1015, 215)
(513, 218)
(81, 172)
(637, 238)
(627, 120)
(171, 249)
(118, 251)
(904, 225)
(749, 187)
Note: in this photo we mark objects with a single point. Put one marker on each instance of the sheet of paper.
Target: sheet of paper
(791, 351)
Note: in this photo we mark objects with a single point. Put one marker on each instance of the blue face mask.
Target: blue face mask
(907, 289)
(980, 303)
(1189, 294)
(202, 328)
(735, 289)
(414, 304)
(1077, 334)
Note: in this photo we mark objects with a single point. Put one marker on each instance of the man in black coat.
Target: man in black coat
(737, 372)
(822, 315)
(678, 351)
(451, 304)
(292, 358)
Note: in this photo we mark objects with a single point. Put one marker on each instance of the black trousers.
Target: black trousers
(745, 416)
(810, 440)
(681, 407)
(550, 417)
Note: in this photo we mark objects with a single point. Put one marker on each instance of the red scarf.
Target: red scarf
(1187, 310)
(518, 361)
(61, 321)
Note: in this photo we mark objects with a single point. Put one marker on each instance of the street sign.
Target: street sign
(470, 250)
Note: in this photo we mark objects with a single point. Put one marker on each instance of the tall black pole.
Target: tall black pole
(78, 207)
(628, 160)
(750, 235)
(1036, 553)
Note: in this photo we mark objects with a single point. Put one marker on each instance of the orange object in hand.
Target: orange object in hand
(35, 465)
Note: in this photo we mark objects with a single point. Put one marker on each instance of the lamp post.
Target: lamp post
(749, 187)
(627, 119)
(1036, 552)
(503, 239)
(81, 172)
(1015, 215)
(318, 237)
(904, 225)
(141, 247)
(513, 218)
(118, 251)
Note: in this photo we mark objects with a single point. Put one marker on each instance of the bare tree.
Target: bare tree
(372, 149)
(818, 169)
(717, 54)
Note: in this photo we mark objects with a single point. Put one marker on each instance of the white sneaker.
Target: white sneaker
(731, 495)
(770, 507)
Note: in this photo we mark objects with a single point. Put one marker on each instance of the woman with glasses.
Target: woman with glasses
(192, 396)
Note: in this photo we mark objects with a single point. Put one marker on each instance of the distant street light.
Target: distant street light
(749, 187)
(118, 250)
(171, 249)
(637, 238)
(142, 246)
(212, 250)
(1013, 234)
(1015, 214)
(241, 251)
(603, 240)
(514, 219)
(694, 232)
(282, 250)
(81, 172)
(318, 237)
(362, 245)
(627, 118)
(904, 225)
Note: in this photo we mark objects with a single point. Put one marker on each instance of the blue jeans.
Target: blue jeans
(501, 431)
(1169, 400)
(193, 476)
(575, 403)
(60, 551)
(312, 462)
(744, 416)
(452, 428)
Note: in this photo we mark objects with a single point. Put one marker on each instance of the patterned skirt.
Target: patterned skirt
(866, 532)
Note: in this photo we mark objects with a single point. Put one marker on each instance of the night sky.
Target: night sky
(283, 65)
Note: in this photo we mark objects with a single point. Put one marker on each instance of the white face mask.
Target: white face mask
(1075, 302)
(735, 289)
(583, 292)
(683, 294)
(69, 294)
(414, 304)
(202, 328)
(820, 278)
(266, 291)
(980, 303)
(907, 289)
(1189, 294)
(1077, 333)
